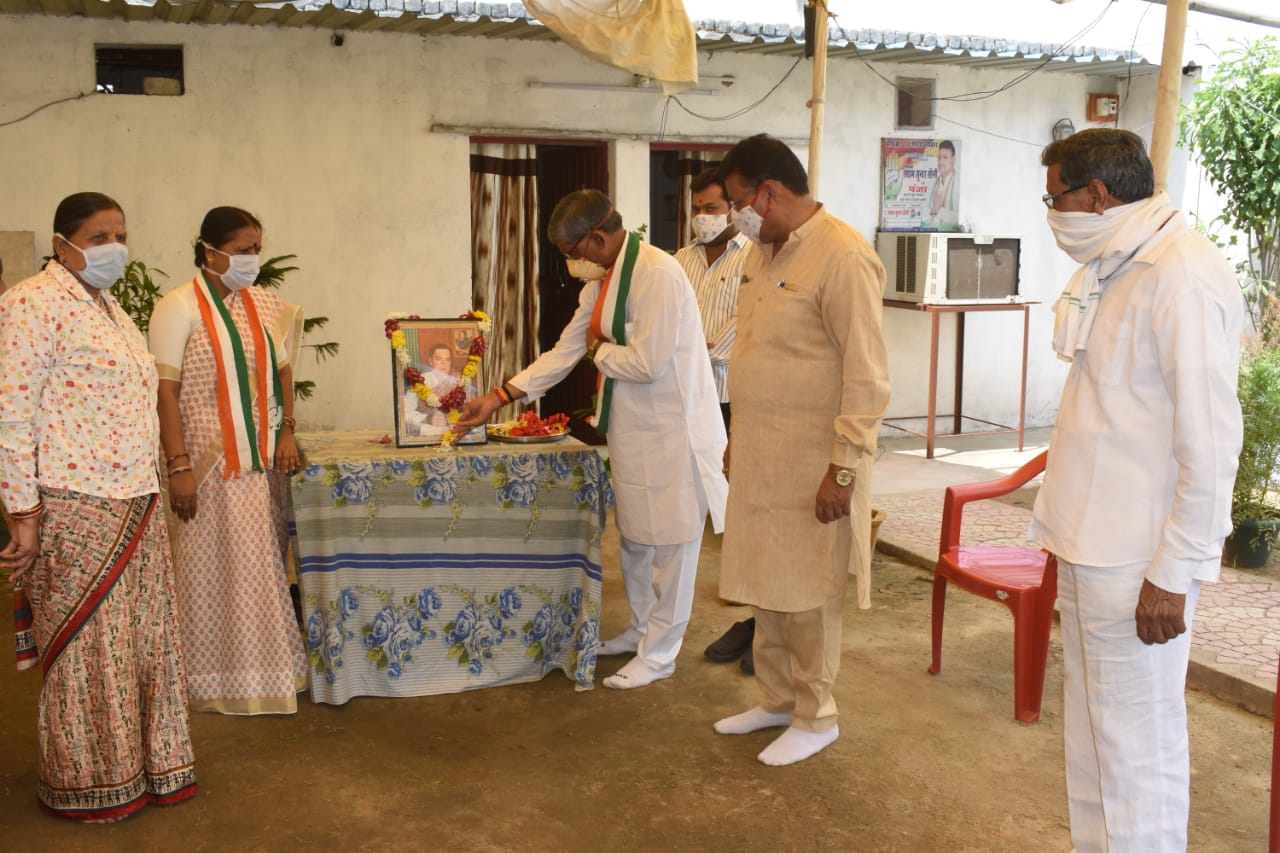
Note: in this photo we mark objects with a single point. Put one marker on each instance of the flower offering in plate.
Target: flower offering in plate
(530, 429)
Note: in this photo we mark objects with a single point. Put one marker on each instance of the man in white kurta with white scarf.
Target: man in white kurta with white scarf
(1136, 497)
(638, 321)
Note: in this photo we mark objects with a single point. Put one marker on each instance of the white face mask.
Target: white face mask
(1082, 234)
(103, 265)
(707, 227)
(581, 268)
(242, 272)
(748, 222)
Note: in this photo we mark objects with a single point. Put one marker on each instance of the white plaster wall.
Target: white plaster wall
(334, 149)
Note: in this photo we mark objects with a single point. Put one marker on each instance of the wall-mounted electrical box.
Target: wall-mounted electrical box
(1102, 107)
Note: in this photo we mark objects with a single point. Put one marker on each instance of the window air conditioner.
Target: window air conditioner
(949, 268)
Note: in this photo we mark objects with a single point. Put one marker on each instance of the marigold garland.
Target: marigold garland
(453, 401)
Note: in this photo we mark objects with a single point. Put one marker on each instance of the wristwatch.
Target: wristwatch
(844, 478)
(591, 349)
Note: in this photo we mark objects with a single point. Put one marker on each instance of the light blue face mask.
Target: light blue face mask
(242, 272)
(103, 265)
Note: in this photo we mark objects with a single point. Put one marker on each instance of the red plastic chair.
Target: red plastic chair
(1274, 840)
(1024, 579)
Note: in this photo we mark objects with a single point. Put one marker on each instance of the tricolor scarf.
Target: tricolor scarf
(249, 407)
(609, 320)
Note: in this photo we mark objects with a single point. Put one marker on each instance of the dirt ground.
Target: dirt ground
(922, 764)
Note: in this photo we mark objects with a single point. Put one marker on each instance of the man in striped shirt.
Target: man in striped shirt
(714, 266)
(713, 263)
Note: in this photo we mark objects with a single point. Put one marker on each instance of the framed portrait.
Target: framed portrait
(428, 376)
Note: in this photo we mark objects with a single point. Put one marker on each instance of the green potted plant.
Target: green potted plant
(271, 276)
(1230, 127)
(1255, 515)
(138, 293)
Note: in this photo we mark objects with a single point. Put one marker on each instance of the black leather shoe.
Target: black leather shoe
(748, 664)
(734, 643)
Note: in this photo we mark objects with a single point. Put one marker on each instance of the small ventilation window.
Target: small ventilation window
(140, 70)
(915, 103)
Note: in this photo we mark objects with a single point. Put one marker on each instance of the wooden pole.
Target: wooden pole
(1169, 90)
(817, 106)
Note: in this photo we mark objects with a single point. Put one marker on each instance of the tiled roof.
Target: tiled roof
(513, 21)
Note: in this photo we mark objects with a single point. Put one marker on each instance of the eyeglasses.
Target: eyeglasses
(573, 254)
(746, 202)
(1050, 199)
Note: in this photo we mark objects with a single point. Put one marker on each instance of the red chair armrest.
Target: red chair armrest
(957, 496)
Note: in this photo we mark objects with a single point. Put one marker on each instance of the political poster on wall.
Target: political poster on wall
(920, 184)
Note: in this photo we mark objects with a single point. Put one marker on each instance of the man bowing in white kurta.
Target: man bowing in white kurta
(658, 408)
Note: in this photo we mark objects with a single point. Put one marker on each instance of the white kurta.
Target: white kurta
(666, 435)
(1138, 487)
(1143, 455)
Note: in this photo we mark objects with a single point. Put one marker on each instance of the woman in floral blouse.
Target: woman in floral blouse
(78, 444)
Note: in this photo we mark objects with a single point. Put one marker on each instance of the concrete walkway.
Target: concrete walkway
(1236, 633)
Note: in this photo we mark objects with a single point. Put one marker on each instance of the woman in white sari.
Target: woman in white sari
(222, 350)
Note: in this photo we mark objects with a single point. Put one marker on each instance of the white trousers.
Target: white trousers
(1124, 716)
(659, 581)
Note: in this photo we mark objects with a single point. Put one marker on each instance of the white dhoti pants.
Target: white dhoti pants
(659, 580)
(1124, 716)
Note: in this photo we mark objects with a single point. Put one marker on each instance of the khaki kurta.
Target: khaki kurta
(809, 385)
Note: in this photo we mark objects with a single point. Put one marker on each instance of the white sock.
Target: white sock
(750, 721)
(796, 745)
(625, 643)
(636, 673)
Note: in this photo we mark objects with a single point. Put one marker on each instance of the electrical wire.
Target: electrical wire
(46, 106)
(1036, 145)
(662, 124)
(743, 110)
(1128, 80)
(1020, 78)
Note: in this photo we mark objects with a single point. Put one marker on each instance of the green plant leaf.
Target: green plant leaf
(137, 292)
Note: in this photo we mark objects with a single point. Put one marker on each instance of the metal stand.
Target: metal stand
(935, 313)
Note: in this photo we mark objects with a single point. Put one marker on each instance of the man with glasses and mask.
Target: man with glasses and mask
(810, 384)
(637, 320)
(1136, 498)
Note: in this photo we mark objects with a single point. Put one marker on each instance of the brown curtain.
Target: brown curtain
(691, 163)
(504, 254)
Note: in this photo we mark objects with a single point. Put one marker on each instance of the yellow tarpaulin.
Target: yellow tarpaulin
(652, 38)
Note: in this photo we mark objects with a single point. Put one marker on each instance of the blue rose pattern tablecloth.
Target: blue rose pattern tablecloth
(424, 572)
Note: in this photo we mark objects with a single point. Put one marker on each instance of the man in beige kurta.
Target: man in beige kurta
(809, 385)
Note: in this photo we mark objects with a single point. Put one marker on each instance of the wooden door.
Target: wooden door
(563, 168)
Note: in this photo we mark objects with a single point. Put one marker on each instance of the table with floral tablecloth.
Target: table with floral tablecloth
(424, 572)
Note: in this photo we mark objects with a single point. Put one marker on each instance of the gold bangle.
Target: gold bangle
(175, 457)
(290, 422)
(180, 470)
